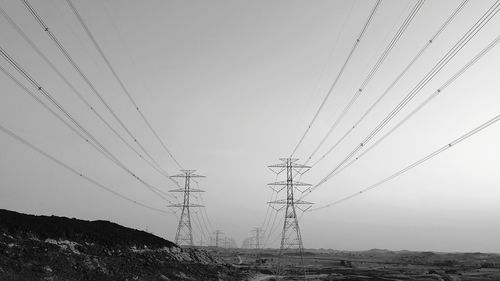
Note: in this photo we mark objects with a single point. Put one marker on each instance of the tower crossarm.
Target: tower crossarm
(187, 173)
(184, 190)
(281, 201)
(289, 164)
(304, 207)
(278, 170)
(295, 183)
(190, 175)
(183, 205)
(292, 165)
(284, 202)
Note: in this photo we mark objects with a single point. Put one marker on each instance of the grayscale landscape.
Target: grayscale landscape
(249, 140)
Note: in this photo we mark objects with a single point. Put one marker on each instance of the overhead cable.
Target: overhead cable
(415, 164)
(77, 93)
(423, 103)
(485, 18)
(391, 86)
(88, 82)
(76, 172)
(122, 85)
(339, 75)
(85, 134)
(370, 75)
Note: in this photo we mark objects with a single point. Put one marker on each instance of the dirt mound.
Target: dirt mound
(104, 233)
(57, 248)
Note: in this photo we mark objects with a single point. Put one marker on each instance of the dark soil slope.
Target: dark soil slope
(57, 248)
(104, 233)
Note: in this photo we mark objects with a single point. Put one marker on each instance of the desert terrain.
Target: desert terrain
(373, 264)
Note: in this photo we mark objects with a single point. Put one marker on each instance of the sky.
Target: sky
(230, 87)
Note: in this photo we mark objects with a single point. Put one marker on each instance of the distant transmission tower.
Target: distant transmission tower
(290, 235)
(256, 238)
(218, 233)
(184, 234)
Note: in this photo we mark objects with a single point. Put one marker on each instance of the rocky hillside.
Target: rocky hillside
(57, 248)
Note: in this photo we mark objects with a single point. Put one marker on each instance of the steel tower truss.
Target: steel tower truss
(291, 238)
(184, 234)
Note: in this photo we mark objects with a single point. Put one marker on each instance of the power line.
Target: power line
(314, 89)
(204, 225)
(277, 237)
(269, 230)
(266, 227)
(205, 219)
(201, 209)
(339, 75)
(370, 75)
(272, 229)
(267, 211)
(268, 206)
(202, 231)
(76, 172)
(413, 165)
(75, 91)
(95, 143)
(425, 102)
(87, 81)
(485, 18)
(389, 88)
(122, 85)
(206, 215)
(204, 210)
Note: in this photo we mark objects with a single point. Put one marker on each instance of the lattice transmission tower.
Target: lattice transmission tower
(256, 240)
(184, 234)
(217, 239)
(291, 238)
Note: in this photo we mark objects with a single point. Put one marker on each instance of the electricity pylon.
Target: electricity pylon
(247, 243)
(290, 236)
(257, 243)
(184, 234)
(217, 237)
(256, 238)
